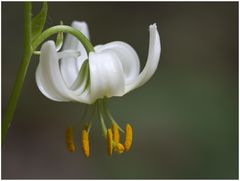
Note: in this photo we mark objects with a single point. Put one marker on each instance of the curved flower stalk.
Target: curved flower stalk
(112, 69)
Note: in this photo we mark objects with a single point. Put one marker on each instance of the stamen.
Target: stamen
(99, 111)
(69, 140)
(85, 143)
(109, 116)
(119, 148)
(85, 126)
(110, 141)
(116, 135)
(128, 137)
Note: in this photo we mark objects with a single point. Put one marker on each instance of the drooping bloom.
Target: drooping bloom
(113, 69)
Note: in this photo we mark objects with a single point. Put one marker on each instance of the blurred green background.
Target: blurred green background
(185, 119)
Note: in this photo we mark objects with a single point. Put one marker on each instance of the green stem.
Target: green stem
(21, 72)
(67, 29)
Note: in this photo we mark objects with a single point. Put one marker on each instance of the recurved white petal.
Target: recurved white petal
(152, 60)
(48, 76)
(70, 66)
(50, 81)
(127, 56)
(107, 77)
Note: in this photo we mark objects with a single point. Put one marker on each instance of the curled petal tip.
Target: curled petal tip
(78, 23)
(81, 26)
(153, 26)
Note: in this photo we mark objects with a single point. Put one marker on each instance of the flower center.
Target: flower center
(110, 129)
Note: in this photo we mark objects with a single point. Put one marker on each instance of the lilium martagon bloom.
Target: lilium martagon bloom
(113, 69)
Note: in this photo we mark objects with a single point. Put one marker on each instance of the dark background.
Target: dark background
(185, 119)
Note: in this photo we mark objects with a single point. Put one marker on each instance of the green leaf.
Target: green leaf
(39, 21)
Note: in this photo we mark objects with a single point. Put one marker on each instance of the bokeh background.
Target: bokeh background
(185, 119)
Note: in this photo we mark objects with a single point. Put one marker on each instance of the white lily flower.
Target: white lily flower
(113, 69)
